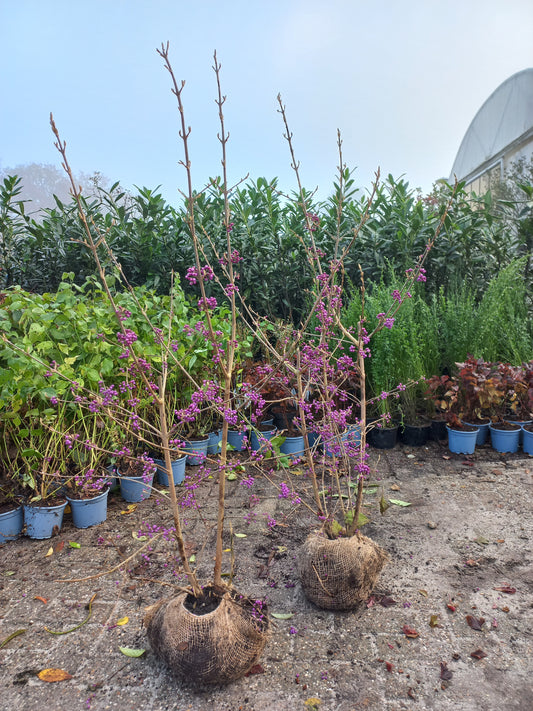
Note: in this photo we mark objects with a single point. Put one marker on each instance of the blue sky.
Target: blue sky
(401, 80)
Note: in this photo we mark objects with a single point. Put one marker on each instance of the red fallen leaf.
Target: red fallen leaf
(478, 654)
(475, 623)
(371, 601)
(256, 669)
(445, 673)
(451, 607)
(389, 666)
(387, 601)
(506, 589)
(409, 632)
(466, 463)
(471, 563)
(410, 692)
(59, 547)
(42, 599)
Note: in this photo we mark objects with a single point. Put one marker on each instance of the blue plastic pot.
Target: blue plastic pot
(197, 451)
(462, 441)
(112, 478)
(334, 445)
(42, 520)
(354, 434)
(136, 488)
(505, 440)
(11, 523)
(521, 423)
(313, 438)
(483, 431)
(89, 512)
(293, 446)
(527, 443)
(178, 471)
(258, 438)
(213, 446)
(236, 439)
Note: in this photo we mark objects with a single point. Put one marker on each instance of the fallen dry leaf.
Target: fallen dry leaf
(123, 621)
(434, 621)
(395, 487)
(471, 563)
(256, 669)
(129, 509)
(445, 673)
(497, 472)
(409, 632)
(73, 629)
(54, 675)
(387, 601)
(505, 609)
(50, 552)
(506, 589)
(423, 592)
(11, 636)
(389, 666)
(42, 599)
(478, 654)
(475, 623)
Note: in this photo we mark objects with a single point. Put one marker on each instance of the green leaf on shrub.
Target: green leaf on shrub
(383, 505)
(348, 518)
(231, 476)
(336, 528)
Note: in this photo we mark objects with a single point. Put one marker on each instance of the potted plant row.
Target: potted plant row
(488, 398)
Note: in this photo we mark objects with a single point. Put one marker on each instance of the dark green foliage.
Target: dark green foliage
(503, 330)
(150, 239)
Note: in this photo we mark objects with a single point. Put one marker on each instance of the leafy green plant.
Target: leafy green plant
(504, 331)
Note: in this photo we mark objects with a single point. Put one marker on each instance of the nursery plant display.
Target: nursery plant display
(143, 377)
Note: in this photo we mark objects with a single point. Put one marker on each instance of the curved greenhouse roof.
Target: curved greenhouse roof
(499, 130)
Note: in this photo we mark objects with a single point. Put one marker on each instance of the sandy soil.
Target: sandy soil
(462, 548)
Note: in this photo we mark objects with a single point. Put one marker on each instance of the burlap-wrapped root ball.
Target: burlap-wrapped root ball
(213, 648)
(341, 573)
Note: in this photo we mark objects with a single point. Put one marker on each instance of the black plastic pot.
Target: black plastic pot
(383, 437)
(437, 430)
(283, 418)
(414, 435)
